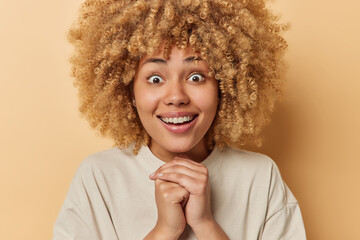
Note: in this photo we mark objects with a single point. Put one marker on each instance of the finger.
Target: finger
(178, 195)
(178, 168)
(184, 162)
(187, 159)
(183, 156)
(183, 170)
(192, 185)
(184, 202)
(152, 176)
(172, 192)
(165, 186)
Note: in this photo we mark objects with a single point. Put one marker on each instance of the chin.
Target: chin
(178, 147)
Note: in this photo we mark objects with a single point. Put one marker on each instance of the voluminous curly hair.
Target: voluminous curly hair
(239, 39)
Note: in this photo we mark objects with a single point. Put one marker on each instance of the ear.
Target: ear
(131, 88)
(131, 91)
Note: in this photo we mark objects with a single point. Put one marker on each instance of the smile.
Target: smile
(178, 123)
(178, 120)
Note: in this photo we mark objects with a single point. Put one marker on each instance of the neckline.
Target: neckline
(154, 162)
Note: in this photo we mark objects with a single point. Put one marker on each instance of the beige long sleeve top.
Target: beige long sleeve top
(111, 197)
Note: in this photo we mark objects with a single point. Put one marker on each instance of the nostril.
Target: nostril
(177, 100)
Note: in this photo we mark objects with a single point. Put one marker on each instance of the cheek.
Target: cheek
(207, 101)
(146, 102)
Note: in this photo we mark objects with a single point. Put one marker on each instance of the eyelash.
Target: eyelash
(200, 74)
(148, 78)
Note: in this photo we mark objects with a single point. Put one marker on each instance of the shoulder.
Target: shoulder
(246, 160)
(258, 169)
(102, 169)
(108, 157)
(241, 168)
(106, 161)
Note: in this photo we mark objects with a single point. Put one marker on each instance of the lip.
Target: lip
(182, 128)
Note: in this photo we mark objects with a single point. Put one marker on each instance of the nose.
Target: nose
(176, 94)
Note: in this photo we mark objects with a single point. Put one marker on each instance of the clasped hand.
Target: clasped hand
(182, 194)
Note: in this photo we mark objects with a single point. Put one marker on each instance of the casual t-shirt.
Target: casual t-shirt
(111, 197)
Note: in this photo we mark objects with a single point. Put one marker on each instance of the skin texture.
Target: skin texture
(170, 197)
(182, 193)
(193, 177)
(177, 92)
(182, 190)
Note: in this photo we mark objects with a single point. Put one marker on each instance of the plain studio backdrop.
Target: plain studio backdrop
(314, 135)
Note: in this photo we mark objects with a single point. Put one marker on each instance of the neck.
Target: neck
(198, 153)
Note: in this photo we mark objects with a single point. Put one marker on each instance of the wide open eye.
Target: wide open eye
(197, 77)
(155, 79)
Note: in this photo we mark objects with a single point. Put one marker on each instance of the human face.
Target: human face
(176, 101)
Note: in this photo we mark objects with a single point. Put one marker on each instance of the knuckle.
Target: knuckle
(162, 187)
(178, 176)
(203, 179)
(177, 167)
(165, 195)
(205, 170)
(201, 187)
(175, 161)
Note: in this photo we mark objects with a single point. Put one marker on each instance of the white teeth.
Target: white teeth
(178, 120)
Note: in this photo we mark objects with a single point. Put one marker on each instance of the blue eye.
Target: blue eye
(197, 77)
(155, 79)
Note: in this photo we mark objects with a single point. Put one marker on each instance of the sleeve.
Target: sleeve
(283, 219)
(84, 214)
(71, 224)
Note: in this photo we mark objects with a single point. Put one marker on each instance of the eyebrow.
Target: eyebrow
(192, 59)
(162, 61)
(154, 60)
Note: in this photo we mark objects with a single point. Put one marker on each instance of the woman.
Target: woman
(179, 86)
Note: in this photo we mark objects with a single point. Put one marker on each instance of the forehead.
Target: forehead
(174, 53)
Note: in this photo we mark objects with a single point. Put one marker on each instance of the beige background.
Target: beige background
(314, 136)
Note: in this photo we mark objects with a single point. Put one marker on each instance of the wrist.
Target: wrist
(203, 225)
(209, 229)
(160, 233)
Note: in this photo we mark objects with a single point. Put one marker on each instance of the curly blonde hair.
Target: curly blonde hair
(239, 39)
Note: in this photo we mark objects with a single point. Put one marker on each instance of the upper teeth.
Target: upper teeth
(178, 120)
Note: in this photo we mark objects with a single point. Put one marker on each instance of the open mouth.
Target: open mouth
(178, 120)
